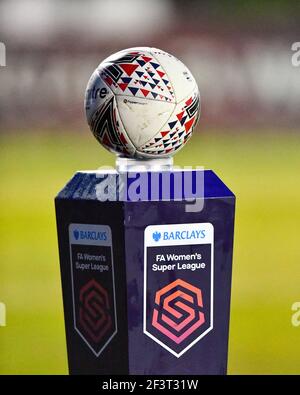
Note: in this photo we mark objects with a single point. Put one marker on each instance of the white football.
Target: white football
(142, 102)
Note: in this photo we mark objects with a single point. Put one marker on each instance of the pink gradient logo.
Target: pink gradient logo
(177, 312)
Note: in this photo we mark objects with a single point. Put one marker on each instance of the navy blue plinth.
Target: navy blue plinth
(116, 323)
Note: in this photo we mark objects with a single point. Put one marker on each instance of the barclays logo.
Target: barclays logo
(184, 235)
(156, 236)
(89, 235)
(76, 234)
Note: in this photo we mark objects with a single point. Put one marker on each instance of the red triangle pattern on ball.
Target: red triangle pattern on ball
(128, 68)
(141, 76)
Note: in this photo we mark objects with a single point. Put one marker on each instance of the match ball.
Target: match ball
(142, 103)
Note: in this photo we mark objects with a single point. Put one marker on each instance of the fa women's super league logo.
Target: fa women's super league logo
(177, 312)
(94, 311)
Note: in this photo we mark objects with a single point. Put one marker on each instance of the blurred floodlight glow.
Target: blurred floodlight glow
(133, 16)
(39, 20)
(26, 19)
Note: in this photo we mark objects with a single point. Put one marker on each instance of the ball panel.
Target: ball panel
(108, 129)
(136, 73)
(104, 119)
(177, 130)
(181, 78)
(143, 118)
(115, 56)
(96, 95)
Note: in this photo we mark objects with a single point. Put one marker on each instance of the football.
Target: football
(142, 103)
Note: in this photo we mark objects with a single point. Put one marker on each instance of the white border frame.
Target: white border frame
(108, 242)
(148, 242)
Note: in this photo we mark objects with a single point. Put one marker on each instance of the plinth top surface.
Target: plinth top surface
(145, 186)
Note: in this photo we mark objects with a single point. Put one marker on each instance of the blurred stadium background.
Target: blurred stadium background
(240, 54)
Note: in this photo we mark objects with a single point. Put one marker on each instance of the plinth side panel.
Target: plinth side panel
(98, 344)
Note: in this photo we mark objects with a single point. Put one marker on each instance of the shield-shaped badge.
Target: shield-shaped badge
(93, 285)
(178, 284)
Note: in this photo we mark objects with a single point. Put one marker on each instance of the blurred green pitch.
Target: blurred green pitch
(262, 169)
